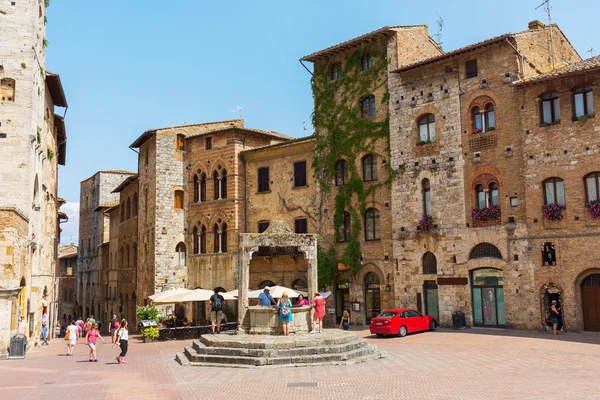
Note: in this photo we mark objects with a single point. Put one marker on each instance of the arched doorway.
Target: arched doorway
(487, 289)
(372, 296)
(549, 293)
(342, 296)
(590, 301)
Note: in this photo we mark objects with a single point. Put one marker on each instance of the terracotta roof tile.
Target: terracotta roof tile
(587, 65)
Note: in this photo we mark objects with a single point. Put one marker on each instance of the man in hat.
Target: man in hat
(265, 299)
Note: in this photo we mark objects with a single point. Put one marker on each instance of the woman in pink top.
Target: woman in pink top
(301, 301)
(91, 337)
(318, 304)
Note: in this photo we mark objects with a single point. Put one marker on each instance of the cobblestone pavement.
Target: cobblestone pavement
(470, 364)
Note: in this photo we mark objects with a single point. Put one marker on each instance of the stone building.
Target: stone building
(67, 285)
(467, 228)
(351, 119)
(35, 138)
(96, 196)
(561, 172)
(191, 185)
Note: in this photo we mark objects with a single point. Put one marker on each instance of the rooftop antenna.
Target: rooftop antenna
(440, 25)
(590, 51)
(548, 9)
(240, 110)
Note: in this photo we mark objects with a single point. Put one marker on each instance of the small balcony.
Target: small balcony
(486, 216)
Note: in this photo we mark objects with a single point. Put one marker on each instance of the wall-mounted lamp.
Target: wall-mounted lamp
(388, 288)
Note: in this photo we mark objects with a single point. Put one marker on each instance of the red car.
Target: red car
(400, 321)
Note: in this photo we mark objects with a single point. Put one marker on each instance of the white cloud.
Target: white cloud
(70, 229)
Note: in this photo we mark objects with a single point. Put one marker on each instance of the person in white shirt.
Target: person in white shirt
(122, 341)
(71, 337)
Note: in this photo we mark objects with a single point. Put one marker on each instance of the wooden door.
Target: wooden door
(590, 298)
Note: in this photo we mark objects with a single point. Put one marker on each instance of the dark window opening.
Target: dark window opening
(263, 179)
(300, 174)
(471, 67)
(262, 226)
(208, 143)
(301, 225)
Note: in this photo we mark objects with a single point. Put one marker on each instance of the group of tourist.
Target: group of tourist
(119, 334)
(284, 305)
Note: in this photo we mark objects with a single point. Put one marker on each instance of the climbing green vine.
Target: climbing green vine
(341, 133)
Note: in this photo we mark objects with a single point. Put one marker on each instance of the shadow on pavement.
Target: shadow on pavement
(582, 337)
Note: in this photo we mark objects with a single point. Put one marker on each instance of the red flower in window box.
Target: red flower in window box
(425, 223)
(553, 212)
(593, 208)
(477, 130)
(485, 213)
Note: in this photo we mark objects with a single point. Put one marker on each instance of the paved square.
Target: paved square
(470, 364)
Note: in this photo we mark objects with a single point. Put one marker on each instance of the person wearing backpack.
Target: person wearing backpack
(216, 310)
(285, 313)
(114, 328)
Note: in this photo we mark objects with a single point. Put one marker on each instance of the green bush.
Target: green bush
(150, 332)
(145, 313)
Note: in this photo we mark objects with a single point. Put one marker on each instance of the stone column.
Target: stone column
(312, 274)
(244, 257)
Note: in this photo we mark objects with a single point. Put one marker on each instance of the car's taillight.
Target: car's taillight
(387, 321)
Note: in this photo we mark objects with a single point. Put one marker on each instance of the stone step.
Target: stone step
(200, 348)
(289, 342)
(312, 359)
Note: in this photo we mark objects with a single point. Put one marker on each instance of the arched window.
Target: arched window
(216, 194)
(128, 259)
(7, 89)
(203, 187)
(427, 128)
(554, 191)
(344, 230)
(486, 197)
(121, 257)
(216, 239)
(583, 101)
(122, 211)
(196, 188)
(480, 196)
(180, 250)
(429, 264)
(224, 238)
(493, 194)
(549, 108)
(135, 205)
(203, 240)
(36, 191)
(178, 199)
(180, 142)
(341, 172)
(128, 208)
(372, 231)
(196, 241)
(266, 283)
(426, 193)
(369, 164)
(485, 250)
(367, 107)
(224, 184)
(592, 186)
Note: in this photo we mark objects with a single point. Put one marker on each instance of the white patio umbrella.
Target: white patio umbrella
(201, 295)
(165, 297)
(277, 292)
(234, 293)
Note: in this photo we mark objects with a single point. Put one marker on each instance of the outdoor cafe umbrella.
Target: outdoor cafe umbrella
(201, 295)
(167, 295)
(277, 292)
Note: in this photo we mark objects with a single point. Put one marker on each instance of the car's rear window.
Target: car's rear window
(387, 314)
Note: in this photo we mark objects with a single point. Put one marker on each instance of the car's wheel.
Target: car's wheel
(402, 332)
(432, 325)
(379, 334)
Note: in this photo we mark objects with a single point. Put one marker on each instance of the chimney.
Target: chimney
(536, 25)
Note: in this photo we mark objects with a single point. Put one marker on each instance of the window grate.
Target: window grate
(485, 250)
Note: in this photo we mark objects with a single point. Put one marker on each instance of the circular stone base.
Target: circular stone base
(332, 347)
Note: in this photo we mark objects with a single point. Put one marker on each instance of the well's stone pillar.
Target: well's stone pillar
(310, 254)
(244, 257)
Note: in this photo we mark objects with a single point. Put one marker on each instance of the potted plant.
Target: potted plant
(593, 208)
(150, 334)
(486, 213)
(425, 223)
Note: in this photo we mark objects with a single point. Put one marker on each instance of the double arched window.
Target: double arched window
(199, 187)
(372, 230)
(220, 184)
(592, 186)
(484, 119)
(344, 230)
(369, 165)
(199, 240)
(341, 173)
(554, 191)
(549, 108)
(426, 193)
(427, 128)
(367, 107)
(220, 237)
(486, 197)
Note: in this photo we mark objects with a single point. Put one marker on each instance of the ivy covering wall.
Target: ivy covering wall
(341, 133)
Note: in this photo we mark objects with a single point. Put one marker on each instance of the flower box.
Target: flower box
(593, 209)
(425, 223)
(553, 212)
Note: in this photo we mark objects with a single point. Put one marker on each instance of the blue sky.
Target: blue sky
(131, 65)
